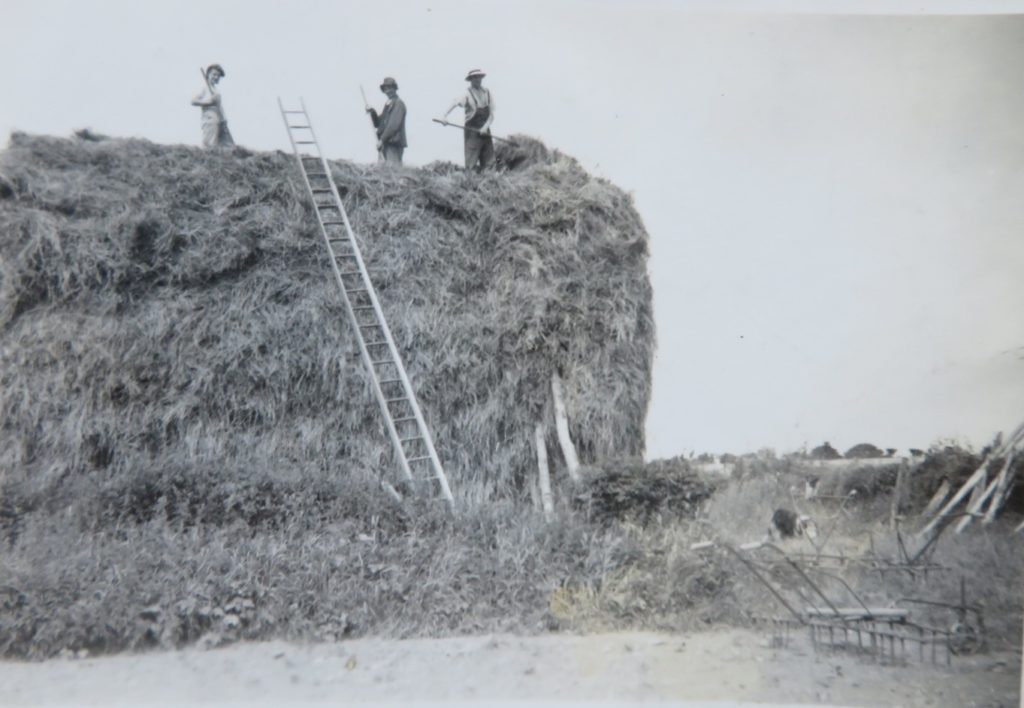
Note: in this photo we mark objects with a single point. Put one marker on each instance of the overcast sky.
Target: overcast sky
(834, 202)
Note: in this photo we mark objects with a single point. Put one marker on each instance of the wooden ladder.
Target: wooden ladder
(420, 466)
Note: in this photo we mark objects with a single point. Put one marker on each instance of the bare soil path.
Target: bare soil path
(729, 665)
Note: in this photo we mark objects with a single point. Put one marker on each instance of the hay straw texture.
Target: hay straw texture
(165, 308)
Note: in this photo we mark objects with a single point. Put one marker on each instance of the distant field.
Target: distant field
(726, 469)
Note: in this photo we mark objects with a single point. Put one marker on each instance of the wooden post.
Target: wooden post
(995, 489)
(980, 493)
(936, 501)
(964, 490)
(974, 481)
(572, 462)
(544, 476)
(897, 493)
(534, 494)
(978, 499)
(1002, 488)
(391, 491)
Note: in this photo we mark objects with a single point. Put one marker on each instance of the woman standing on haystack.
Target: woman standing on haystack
(215, 125)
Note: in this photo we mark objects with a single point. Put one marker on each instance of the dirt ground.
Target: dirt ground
(732, 666)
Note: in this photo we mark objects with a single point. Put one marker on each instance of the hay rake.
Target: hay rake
(418, 461)
(885, 634)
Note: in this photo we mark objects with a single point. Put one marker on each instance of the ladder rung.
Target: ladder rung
(294, 111)
(319, 190)
(363, 307)
(295, 127)
(338, 239)
(377, 344)
(403, 419)
(307, 142)
(382, 361)
(317, 174)
(326, 206)
(415, 437)
(357, 290)
(418, 459)
(384, 381)
(368, 326)
(395, 400)
(332, 223)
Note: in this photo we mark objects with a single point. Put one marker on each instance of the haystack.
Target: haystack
(165, 308)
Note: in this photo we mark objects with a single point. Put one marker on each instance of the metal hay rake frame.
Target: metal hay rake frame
(886, 634)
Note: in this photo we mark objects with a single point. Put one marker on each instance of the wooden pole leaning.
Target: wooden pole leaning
(544, 473)
(572, 462)
(973, 481)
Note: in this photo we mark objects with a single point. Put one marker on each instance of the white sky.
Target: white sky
(834, 202)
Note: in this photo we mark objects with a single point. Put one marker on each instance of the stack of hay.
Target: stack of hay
(169, 309)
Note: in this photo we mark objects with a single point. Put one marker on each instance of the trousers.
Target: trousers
(391, 154)
(479, 149)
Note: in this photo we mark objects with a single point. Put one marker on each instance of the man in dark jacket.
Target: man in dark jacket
(390, 124)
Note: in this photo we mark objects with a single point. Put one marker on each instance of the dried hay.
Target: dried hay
(167, 308)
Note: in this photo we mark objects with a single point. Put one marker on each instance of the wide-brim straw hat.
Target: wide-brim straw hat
(388, 81)
(475, 72)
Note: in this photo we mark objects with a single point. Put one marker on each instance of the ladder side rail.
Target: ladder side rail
(392, 348)
(367, 360)
(407, 387)
(291, 139)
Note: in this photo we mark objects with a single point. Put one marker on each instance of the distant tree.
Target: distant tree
(728, 458)
(914, 452)
(705, 457)
(890, 451)
(864, 451)
(825, 452)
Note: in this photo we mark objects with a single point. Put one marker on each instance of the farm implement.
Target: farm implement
(823, 606)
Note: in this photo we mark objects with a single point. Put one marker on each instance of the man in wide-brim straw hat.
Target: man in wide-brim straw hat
(479, 106)
(215, 125)
(390, 124)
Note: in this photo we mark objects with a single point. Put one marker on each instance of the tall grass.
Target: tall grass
(336, 570)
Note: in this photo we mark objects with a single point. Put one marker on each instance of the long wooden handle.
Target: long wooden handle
(469, 127)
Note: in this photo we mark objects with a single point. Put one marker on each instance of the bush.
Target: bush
(641, 493)
(825, 452)
(864, 451)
